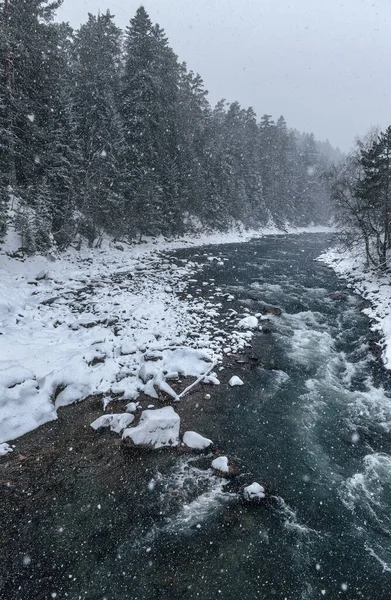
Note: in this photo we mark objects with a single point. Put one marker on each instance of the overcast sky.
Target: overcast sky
(323, 64)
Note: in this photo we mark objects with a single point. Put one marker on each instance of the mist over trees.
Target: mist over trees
(106, 131)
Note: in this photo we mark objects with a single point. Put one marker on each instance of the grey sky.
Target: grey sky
(323, 64)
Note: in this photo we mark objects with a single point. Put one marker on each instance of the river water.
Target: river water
(312, 421)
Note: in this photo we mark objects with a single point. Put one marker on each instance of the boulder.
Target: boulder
(221, 465)
(269, 309)
(196, 441)
(116, 422)
(254, 492)
(156, 429)
(235, 381)
(248, 323)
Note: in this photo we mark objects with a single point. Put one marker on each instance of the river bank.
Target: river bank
(373, 285)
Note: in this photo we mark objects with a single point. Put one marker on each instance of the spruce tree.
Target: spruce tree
(149, 102)
(97, 52)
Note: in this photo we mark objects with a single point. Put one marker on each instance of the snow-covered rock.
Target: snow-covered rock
(44, 274)
(196, 441)
(248, 323)
(5, 449)
(157, 428)
(14, 374)
(220, 464)
(128, 348)
(254, 492)
(116, 422)
(131, 407)
(212, 379)
(235, 381)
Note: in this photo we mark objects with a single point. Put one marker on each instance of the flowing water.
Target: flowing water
(313, 421)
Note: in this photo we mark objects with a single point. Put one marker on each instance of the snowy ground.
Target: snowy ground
(106, 321)
(373, 285)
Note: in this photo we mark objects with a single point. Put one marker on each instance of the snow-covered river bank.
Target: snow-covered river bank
(104, 322)
(87, 517)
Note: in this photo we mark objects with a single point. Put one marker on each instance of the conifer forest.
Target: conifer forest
(104, 131)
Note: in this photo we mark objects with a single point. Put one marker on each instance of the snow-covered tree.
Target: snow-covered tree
(97, 53)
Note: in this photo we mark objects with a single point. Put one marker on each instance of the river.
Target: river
(312, 421)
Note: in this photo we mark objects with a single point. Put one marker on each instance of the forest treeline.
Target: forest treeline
(106, 131)
(361, 190)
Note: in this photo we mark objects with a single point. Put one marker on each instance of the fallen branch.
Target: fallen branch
(197, 381)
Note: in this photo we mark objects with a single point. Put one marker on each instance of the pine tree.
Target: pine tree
(34, 102)
(193, 114)
(149, 101)
(97, 52)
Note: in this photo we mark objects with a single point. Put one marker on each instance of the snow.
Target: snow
(220, 464)
(373, 285)
(196, 441)
(157, 428)
(235, 381)
(255, 491)
(104, 321)
(116, 422)
(5, 449)
(249, 322)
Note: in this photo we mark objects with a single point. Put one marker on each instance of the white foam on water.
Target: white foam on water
(367, 494)
(189, 496)
(386, 566)
(201, 493)
(291, 521)
(371, 487)
(371, 408)
(274, 288)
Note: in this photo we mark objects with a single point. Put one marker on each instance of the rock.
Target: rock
(269, 309)
(5, 449)
(254, 492)
(116, 422)
(235, 381)
(196, 441)
(157, 428)
(153, 355)
(42, 275)
(220, 465)
(248, 323)
(144, 375)
(128, 348)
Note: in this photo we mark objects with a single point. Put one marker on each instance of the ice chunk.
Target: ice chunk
(248, 323)
(235, 381)
(221, 464)
(255, 491)
(157, 428)
(116, 422)
(196, 441)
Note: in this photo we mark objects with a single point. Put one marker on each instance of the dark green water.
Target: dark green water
(313, 420)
